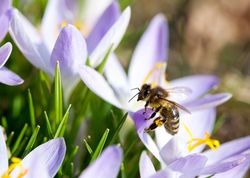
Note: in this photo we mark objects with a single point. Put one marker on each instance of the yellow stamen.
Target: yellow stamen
(195, 142)
(64, 23)
(78, 25)
(156, 66)
(16, 162)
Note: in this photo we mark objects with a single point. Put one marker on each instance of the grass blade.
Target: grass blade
(100, 146)
(48, 125)
(88, 147)
(19, 139)
(32, 111)
(31, 141)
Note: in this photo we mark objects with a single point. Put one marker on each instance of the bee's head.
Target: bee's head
(144, 92)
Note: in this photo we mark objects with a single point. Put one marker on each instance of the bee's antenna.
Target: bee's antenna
(136, 89)
(133, 97)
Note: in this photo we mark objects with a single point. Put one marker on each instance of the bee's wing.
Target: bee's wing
(179, 93)
(177, 105)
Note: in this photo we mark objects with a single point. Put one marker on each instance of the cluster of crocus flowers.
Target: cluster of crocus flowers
(44, 160)
(6, 76)
(68, 45)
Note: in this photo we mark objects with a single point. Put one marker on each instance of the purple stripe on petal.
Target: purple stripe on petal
(9, 78)
(238, 171)
(51, 153)
(228, 149)
(140, 125)
(107, 165)
(5, 52)
(103, 24)
(71, 52)
(189, 164)
(146, 166)
(209, 101)
(98, 85)
(4, 153)
(151, 49)
(4, 6)
(199, 84)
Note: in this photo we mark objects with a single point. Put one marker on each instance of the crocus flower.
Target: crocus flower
(182, 154)
(6, 76)
(48, 156)
(40, 50)
(148, 65)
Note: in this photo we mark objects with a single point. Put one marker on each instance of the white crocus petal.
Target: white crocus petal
(56, 12)
(9, 78)
(106, 166)
(29, 42)
(98, 85)
(5, 52)
(111, 39)
(162, 137)
(51, 154)
(3, 153)
(146, 166)
(117, 78)
(151, 49)
(91, 11)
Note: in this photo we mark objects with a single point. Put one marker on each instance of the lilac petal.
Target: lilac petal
(198, 123)
(9, 78)
(228, 149)
(225, 166)
(189, 164)
(146, 166)
(140, 125)
(172, 151)
(107, 165)
(5, 52)
(238, 171)
(4, 153)
(103, 24)
(51, 154)
(90, 12)
(166, 173)
(209, 101)
(151, 49)
(71, 52)
(111, 39)
(98, 85)
(117, 77)
(5, 22)
(162, 137)
(4, 6)
(199, 84)
(56, 12)
(29, 42)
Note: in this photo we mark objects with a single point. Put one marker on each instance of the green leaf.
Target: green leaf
(100, 68)
(63, 123)
(32, 111)
(31, 141)
(19, 139)
(118, 128)
(58, 94)
(123, 171)
(9, 139)
(4, 123)
(100, 146)
(48, 125)
(88, 147)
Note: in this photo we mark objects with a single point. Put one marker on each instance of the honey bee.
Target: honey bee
(158, 100)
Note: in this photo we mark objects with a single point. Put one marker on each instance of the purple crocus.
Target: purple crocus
(44, 160)
(70, 48)
(148, 65)
(182, 156)
(6, 76)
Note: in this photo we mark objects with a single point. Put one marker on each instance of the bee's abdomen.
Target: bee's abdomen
(172, 123)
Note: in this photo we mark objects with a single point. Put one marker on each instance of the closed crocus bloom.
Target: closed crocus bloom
(44, 161)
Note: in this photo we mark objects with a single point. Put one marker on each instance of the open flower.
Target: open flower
(148, 65)
(6, 76)
(42, 50)
(48, 156)
(182, 154)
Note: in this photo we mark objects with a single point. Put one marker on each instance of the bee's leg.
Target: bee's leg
(154, 113)
(145, 107)
(156, 123)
